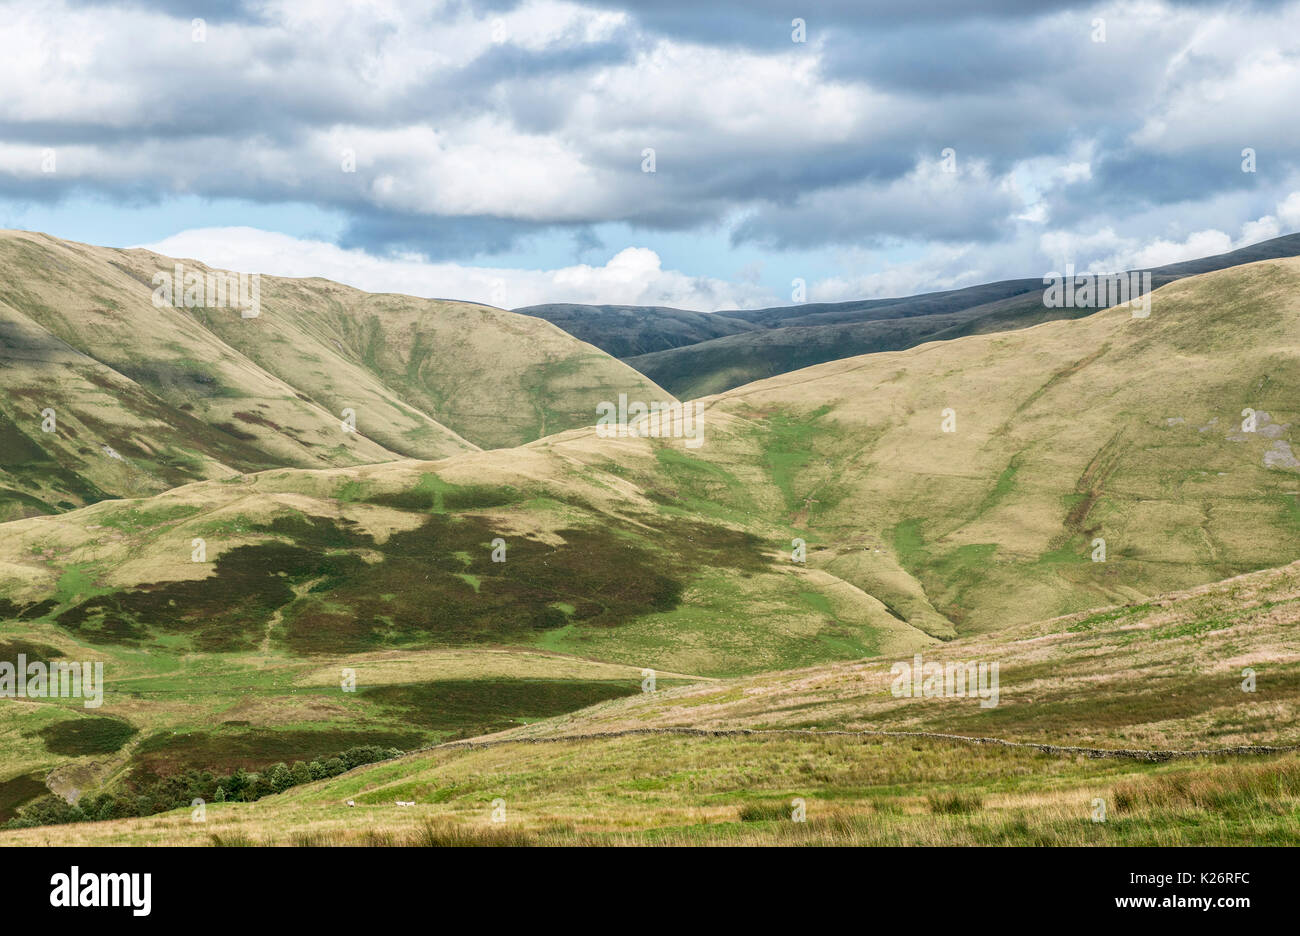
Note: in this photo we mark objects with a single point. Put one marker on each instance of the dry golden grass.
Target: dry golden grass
(700, 791)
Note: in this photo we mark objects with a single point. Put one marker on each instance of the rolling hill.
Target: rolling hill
(145, 397)
(792, 337)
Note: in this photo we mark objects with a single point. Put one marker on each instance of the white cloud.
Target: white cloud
(1265, 228)
(1107, 251)
(1161, 252)
(1288, 211)
(942, 267)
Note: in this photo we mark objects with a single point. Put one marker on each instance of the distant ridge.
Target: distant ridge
(691, 363)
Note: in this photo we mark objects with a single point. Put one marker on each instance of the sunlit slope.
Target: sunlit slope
(94, 301)
(182, 394)
(224, 611)
(1108, 428)
(1111, 427)
(68, 426)
(630, 554)
(673, 790)
(76, 431)
(600, 562)
(1212, 667)
(425, 377)
(417, 371)
(805, 335)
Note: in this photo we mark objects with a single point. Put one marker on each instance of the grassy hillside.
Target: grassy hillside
(666, 790)
(1106, 428)
(388, 570)
(146, 398)
(635, 554)
(1109, 427)
(800, 336)
(1166, 674)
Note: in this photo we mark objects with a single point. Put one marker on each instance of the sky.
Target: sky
(706, 156)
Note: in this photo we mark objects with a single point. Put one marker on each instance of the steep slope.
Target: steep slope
(73, 431)
(484, 375)
(167, 397)
(1109, 427)
(180, 394)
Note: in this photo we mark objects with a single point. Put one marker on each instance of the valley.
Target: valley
(478, 561)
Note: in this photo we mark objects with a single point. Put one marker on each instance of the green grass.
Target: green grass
(690, 485)
(134, 520)
(438, 496)
(790, 446)
(77, 583)
(1190, 629)
(954, 804)
(1107, 617)
(714, 637)
(909, 544)
(392, 573)
(1001, 489)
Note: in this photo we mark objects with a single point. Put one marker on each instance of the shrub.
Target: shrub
(764, 812)
(180, 790)
(954, 804)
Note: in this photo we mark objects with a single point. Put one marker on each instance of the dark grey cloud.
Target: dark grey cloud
(936, 207)
(1130, 180)
(215, 11)
(439, 238)
(767, 23)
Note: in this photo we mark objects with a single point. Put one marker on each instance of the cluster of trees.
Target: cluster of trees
(183, 789)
